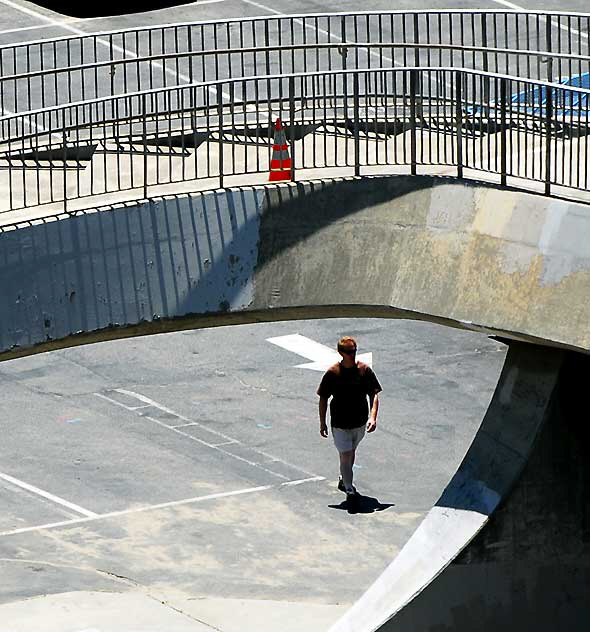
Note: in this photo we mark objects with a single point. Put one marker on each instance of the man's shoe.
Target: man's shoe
(342, 488)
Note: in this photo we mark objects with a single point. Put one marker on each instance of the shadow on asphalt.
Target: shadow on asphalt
(362, 504)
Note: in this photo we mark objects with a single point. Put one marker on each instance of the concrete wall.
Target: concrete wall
(525, 560)
(511, 262)
(529, 569)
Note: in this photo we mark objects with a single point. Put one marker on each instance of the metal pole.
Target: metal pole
(356, 107)
(145, 149)
(413, 83)
(292, 124)
(65, 159)
(220, 139)
(549, 50)
(459, 122)
(548, 119)
(416, 41)
(343, 49)
(503, 148)
(485, 63)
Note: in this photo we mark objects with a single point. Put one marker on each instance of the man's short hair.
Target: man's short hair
(345, 342)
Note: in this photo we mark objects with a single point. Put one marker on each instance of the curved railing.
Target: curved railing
(458, 121)
(36, 89)
(455, 91)
(60, 70)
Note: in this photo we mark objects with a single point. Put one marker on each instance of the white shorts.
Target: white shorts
(346, 440)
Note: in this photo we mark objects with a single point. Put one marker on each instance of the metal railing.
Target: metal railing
(45, 88)
(165, 55)
(359, 121)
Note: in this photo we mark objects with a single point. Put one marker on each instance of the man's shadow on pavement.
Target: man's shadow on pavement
(362, 504)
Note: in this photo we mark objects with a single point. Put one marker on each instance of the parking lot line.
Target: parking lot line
(47, 495)
(214, 446)
(66, 26)
(173, 503)
(35, 27)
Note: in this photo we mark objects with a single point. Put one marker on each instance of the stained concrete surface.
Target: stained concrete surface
(282, 545)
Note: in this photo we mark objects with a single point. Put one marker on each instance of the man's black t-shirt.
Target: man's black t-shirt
(349, 389)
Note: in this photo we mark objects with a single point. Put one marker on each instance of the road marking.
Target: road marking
(36, 27)
(303, 480)
(516, 7)
(506, 3)
(333, 36)
(214, 446)
(174, 503)
(65, 25)
(323, 357)
(47, 495)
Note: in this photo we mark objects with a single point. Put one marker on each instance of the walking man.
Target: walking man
(349, 383)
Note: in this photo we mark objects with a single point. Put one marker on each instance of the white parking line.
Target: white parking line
(36, 27)
(47, 495)
(516, 7)
(66, 26)
(174, 503)
(214, 446)
(333, 36)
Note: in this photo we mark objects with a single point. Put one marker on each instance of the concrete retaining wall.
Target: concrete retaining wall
(513, 263)
(529, 568)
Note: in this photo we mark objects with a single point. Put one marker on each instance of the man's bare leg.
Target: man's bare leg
(346, 462)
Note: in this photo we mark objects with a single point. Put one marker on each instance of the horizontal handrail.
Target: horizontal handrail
(537, 13)
(493, 28)
(18, 92)
(357, 120)
(276, 77)
(489, 51)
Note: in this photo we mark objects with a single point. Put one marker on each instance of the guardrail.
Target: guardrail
(456, 30)
(361, 122)
(45, 88)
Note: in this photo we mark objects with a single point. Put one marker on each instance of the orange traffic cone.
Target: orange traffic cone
(280, 163)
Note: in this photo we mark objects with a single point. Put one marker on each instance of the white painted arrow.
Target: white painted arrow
(323, 357)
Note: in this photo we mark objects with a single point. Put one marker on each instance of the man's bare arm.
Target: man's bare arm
(374, 403)
(323, 411)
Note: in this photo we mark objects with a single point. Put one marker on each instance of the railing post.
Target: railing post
(485, 62)
(413, 152)
(145, 146)
(416, 40)
(419, 106)
(503, 147)
(548, 121)
(459, 121)
(220, 139)
(356, 107)
(267, 45)
(292, 124)
(190, 56)
(65, 159)
(549, 38)
(343, 49)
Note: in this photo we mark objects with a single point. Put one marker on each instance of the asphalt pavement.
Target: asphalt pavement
(191, 463)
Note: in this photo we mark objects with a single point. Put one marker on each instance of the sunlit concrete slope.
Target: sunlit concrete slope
(529, 568)
(510, 262)
(498, 549)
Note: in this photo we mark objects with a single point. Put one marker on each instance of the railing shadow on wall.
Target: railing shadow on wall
(150, 263)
